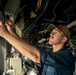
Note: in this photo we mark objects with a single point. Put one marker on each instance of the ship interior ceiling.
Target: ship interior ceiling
(31, 23)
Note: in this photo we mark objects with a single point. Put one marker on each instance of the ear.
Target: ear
(64, 39)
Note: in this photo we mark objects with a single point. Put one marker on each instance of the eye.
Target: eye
(57, 33)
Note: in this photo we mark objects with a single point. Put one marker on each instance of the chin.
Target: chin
(50, 43)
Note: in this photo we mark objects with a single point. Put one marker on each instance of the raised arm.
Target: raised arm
(21, 45)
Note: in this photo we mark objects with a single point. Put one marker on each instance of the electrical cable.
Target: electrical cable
(54, 9)
(33, 24)
(22, 8)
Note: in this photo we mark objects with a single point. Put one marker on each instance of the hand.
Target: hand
(9, 24)
(10, 27)
(3, 29)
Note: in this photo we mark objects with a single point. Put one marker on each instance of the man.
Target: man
(55, 61)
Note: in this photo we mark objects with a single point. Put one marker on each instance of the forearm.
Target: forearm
(22, 46)
(14, 34)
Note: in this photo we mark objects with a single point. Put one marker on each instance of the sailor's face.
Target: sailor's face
(56, 37)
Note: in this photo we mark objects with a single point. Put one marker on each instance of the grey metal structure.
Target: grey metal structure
(2, 55)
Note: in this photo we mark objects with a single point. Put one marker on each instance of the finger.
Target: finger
(9, 22)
